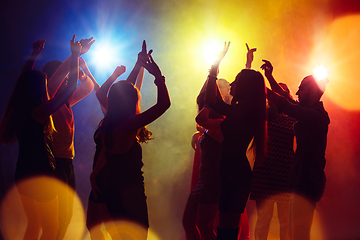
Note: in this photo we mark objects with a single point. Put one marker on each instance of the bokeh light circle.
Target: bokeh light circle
(13, 220)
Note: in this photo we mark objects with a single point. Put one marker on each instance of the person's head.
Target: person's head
(29, 92)
(123, 100)
(249, 90)
(248, 86)
(309, 91)
(50, 67)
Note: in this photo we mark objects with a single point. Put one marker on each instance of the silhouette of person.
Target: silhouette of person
(28, 119)
(122, 130)
(97, 211)
(307, 176)
(63, 137)
(271, 179)
(245, 120)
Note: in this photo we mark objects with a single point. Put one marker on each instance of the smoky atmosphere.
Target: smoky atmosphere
(295, 36)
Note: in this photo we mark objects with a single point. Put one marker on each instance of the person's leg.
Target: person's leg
(94, 221)
(189, 221)
(228, 225)
(48, 213)
(265, 210)
(33, 219)
(302, 212)
(206, 216)
(283, 215)
(108, 221)
(66, 193)
(244, 226)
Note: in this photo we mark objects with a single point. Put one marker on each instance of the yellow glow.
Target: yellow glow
(13, 220)
(128, 228)
(211, 50)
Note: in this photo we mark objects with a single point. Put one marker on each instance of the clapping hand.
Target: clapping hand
(143, 56)
(151, 66)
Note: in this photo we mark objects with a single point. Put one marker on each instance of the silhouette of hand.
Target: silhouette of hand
(151, 66)
(267, 67)
(86, 44)
(38, 46)
(119, 70)
(143, 55)
(214, 70)
(75, 46)
(249, 56)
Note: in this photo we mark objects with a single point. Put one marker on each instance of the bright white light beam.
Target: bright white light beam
(320, 73)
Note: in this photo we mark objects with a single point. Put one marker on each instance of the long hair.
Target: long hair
(123, 102)
(251, 90)
(29, 92)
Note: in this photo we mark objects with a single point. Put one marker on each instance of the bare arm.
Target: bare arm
(102, 93)
(38, 46)
(162, 104)
(137, 74)
(87, 72)
(42, 112)
(212, 88)
(249, 56)
(268, 68)
(203, 120)
(85, 88)
(58, 77)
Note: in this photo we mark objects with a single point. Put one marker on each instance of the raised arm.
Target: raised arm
(249, 56)
(87, 72)
(102, 93)
(268, 70)
(85, 88)
(137, 74)
(42, 112)
(58, 77)
(203, 120)
(163, 99)
(212, 89)
(38, 46)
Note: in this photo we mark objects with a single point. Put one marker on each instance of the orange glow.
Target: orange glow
(338, 52)
(13, 220)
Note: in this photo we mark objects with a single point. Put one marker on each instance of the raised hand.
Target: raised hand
(249, 56)
(118, 71)
(143, 56)
(86, 44)
(214, 70)
(38, 46)
(75, 46)
(151, 66)
(267, 67)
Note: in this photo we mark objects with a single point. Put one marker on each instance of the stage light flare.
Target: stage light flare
(211, 50)
(320, 73)
(335, 49)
